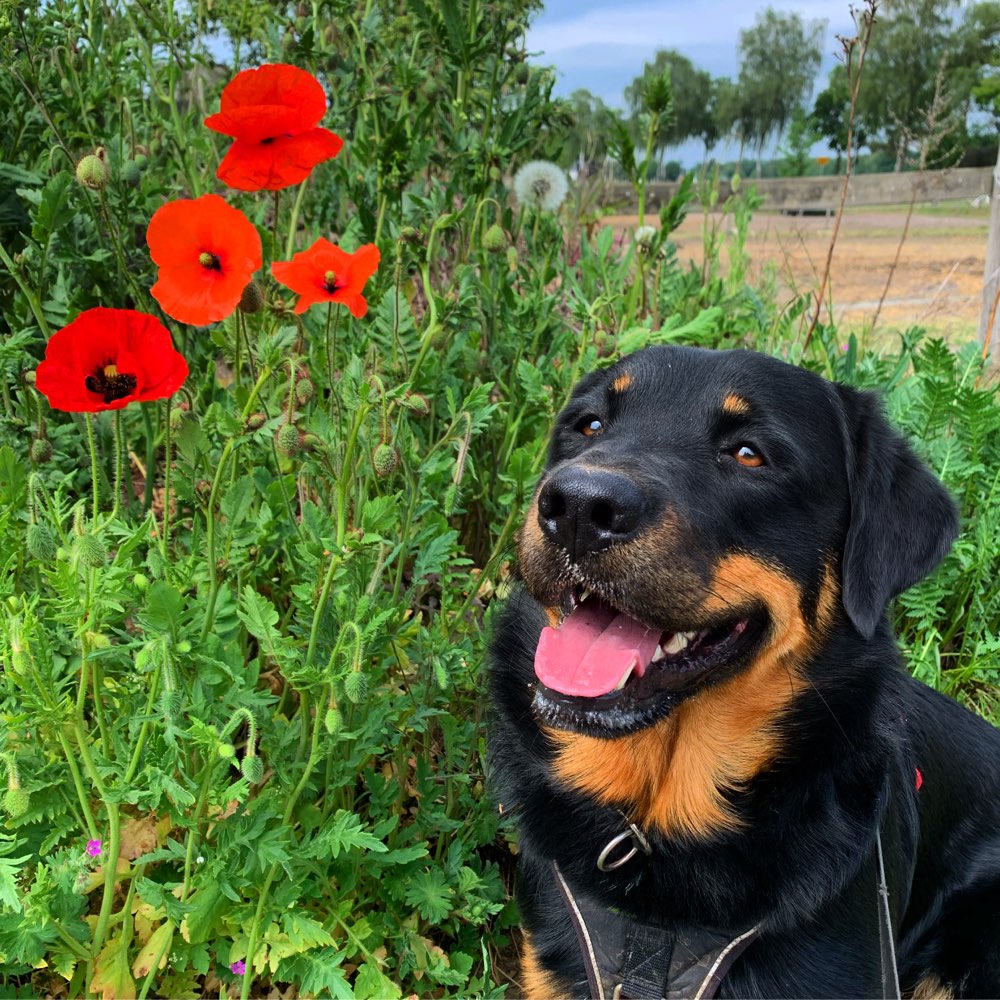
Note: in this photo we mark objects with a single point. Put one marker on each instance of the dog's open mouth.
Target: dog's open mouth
(601, 664)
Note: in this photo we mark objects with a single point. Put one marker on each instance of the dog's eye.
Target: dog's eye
(590, 426)
(747, 456)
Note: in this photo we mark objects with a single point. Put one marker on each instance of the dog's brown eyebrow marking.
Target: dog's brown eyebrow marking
(621, 383)
(736, 405)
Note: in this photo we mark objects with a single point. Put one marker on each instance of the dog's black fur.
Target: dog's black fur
(843, 510)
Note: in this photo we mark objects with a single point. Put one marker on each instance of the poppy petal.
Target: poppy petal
(276, 83)
(280, 163)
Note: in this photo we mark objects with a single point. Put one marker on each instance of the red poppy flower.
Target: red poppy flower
(272, 113)
(325, 273)
(108, 358)
(207, 252)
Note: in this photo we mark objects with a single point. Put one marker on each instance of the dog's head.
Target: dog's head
(704, 512)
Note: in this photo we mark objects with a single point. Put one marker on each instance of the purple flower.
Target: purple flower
(94, 848)
(238, 968)
(845, 347)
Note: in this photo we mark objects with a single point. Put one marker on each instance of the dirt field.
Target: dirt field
(937, 283)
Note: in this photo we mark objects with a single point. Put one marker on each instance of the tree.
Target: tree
(830, 113)
(913, 43)
(587, 139)
(691, 92)
(799, 138)
(779, 57)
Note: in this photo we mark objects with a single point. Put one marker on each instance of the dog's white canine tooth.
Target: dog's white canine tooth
(625, 677)
(658, 655)
(585, 593)
(675, 644)
(688, 636)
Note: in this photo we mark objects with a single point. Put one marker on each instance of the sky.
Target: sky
(602, 46)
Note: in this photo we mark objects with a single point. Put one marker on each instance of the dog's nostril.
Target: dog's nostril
(602, 515)
(552, 504)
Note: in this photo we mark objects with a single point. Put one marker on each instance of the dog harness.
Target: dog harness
(626, 959)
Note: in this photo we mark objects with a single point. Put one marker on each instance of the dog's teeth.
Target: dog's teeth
(688, 636)
(625, 677)
(585, 593)
(677, 642)
(658, 655)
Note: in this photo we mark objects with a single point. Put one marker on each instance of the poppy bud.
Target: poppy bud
(417, 403)
(495, 239)
(253, 769)
(91, 551)
(333, 721)
(356, 687)
(385, 460)
(176, 419)
(255, 421)
(141, 160)
(92, 172)
(203, 490)
(495, 173)
(521, 73)
(41, 451)
(303, 391)
(226, 751)
(141, 582)
(286, 440)
(252, 299)
(41, 544)
(310, 442)
(15, 802)
(131, 174)
(511, 258)
(409, 235)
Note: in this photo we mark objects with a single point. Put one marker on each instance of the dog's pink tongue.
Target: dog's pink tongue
(593, 649)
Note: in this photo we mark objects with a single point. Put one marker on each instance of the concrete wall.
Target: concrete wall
(796, 194)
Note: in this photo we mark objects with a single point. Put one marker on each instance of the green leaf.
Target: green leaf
(9, 869)
(371, 984)
(112, 976)
(236, 503)
(341, 834)
(430, 894)
(164, 605)
(259, 615)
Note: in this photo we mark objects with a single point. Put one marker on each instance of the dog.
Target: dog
(724, 781)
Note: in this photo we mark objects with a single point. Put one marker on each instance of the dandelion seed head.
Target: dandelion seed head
(644, 236)
(541, 185)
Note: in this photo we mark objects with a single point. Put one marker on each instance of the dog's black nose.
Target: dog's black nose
(586, 510)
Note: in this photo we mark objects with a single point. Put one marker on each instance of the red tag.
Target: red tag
(919, 779)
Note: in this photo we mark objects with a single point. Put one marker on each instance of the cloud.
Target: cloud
(679, 25)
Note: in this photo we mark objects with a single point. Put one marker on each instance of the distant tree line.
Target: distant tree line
(930, 94)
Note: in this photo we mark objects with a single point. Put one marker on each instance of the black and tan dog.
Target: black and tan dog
(701, 717)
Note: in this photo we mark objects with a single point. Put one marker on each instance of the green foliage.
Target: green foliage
(243, 698)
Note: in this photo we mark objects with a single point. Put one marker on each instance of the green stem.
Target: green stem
(168, 461)
(29, 296)
(81, 794)
(213, 571)
(110, 871)
(93, 465)
(154, 685)
(294, 221)
(119, 468)
(147, 498)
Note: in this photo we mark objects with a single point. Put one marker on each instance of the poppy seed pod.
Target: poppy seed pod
(41, 451)
(286, 440)
(92, 172)
(385, 460)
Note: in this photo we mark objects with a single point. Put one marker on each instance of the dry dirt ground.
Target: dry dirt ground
(937, 283)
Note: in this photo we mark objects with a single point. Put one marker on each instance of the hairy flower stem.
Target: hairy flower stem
(213, 569)
(110, 873)
(286, 823)
(119, 468)
(168, 461)
(95, 480)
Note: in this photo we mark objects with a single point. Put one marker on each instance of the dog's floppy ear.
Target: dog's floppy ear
(902, 521)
